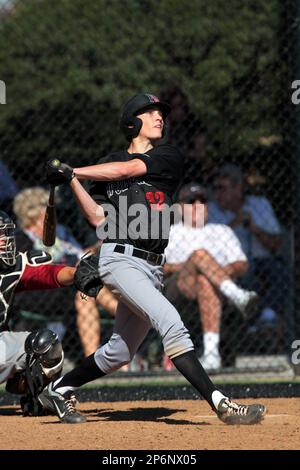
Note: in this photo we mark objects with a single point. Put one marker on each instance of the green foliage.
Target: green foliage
(70, 64)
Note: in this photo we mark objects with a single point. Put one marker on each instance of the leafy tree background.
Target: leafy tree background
(69, 65)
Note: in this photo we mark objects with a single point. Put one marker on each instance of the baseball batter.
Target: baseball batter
(131, 259)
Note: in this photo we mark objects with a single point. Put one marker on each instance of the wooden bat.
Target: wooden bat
(49, 228)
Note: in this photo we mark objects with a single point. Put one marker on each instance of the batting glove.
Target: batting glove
(58, 173)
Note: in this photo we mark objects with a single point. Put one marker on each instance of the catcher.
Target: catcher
(30, 360)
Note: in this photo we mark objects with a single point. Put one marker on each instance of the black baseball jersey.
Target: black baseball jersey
(140, 204)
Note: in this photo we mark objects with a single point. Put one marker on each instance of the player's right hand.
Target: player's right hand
(58, 173)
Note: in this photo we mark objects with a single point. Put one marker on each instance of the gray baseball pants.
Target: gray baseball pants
(142, 306)
(12, 353)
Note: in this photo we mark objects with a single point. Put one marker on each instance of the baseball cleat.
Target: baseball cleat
(233, 413)
(63, 407)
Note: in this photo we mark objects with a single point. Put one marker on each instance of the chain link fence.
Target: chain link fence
(227, 70)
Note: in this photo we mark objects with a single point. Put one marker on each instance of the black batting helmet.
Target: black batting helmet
(7, 240)
(130, 124)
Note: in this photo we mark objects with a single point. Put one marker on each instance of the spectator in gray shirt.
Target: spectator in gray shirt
(254, 222)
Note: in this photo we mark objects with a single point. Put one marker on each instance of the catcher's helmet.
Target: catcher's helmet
(130, 124)
(7, 240)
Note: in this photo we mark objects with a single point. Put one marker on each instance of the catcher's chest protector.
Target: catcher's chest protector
(8, 284)
(11, 278)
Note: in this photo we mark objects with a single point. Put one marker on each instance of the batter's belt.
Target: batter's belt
(148, 256)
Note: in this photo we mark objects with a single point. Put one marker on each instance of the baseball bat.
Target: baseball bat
(49, 228)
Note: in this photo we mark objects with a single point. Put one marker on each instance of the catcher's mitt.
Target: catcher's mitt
(87, 279)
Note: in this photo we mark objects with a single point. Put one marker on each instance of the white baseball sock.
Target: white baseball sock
(217, 397)
(231, 291)
(211, 343)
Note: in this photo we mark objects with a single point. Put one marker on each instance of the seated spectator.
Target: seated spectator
(204, 261)
(254, 222)
(29, 207)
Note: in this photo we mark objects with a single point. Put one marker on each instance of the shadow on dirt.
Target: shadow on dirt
(157, 414)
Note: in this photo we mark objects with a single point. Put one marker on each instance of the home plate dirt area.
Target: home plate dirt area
(153, 425)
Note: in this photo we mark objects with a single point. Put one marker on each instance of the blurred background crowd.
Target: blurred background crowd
(226, 69)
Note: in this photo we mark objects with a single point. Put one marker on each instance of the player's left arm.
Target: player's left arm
(112, 171)
(65, 277)
(102, 172)
(92, 211)
(47, 276)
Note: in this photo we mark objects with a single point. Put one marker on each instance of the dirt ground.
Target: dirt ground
(153, 425)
